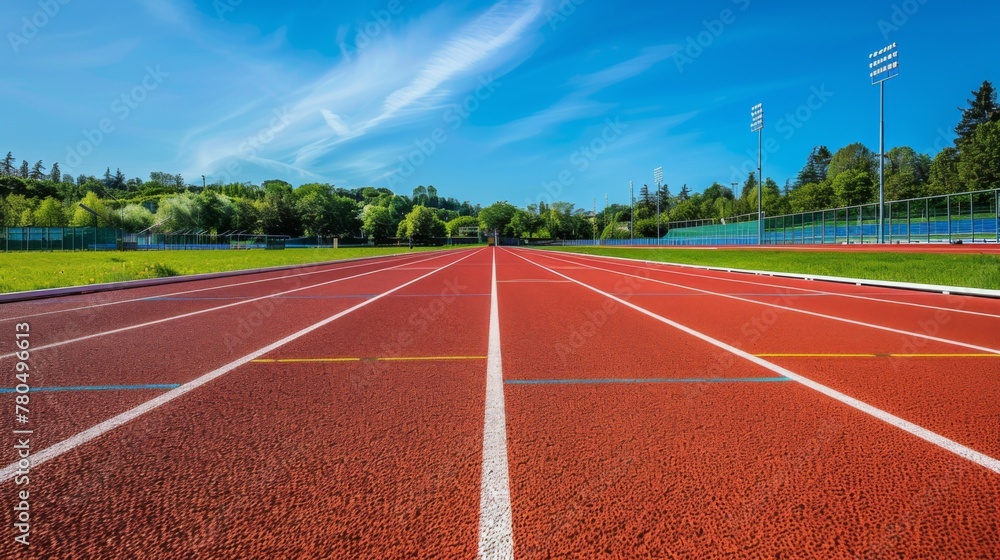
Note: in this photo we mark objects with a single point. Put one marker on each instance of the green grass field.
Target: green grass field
(964, 270)
(35, 271)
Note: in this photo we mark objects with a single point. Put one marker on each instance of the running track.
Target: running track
(507, 403)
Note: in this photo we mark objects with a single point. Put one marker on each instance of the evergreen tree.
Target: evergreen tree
(24, 169)
(38, 171)
(55, 175)
(816, 167)
(118, 181)
(982, 109)
(684, 194)
(7, 168)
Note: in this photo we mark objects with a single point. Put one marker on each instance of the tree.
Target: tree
(854, 187)
(944, 172)
(377, 223)
(38, 171)
(979, 168)
(55, 175)
(812, 196)
(118, 180)
(82, 218)
(137, 217)
(422, 224)
(906, 174)
(420, 195)
(496, 217)
(684, 194)
(49, 214)
(25, 169)
(982, 109)
(7, 167)
(525, 223)
(816, 167)
(179, 212)
(854, 157)
(460, 222)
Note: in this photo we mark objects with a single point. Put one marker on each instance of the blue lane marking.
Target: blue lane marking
(347, 296)
(97, 388)
(650, 380)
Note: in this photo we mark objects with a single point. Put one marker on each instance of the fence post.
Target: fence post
(908, 221)
(949, 218)
(972, 215)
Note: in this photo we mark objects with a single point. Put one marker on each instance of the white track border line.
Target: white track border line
(210, 309)
(369, 261)
(931, 288)
(106, 426)
(496, 533)
(980, 459)
(665, 268)
(786, 308)
(909, 427)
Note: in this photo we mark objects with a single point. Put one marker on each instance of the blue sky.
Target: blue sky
(518, 100)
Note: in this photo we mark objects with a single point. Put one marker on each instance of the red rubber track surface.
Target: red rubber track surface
(364, 437)
(955, 397)
(965, 248)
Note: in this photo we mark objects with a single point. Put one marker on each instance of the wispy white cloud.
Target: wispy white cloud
(390, 85)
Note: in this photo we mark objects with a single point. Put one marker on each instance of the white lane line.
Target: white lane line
(172, 294)
(496, 533)
(786, 308)
(665, 268)
(79, 439)
(209, 310)
(980, 459)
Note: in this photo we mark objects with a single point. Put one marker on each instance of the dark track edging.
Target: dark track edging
(31, 295)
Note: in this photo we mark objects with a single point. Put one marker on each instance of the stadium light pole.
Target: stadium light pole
(631, 222)
(883, 65)
(757, 125)
(658, 177)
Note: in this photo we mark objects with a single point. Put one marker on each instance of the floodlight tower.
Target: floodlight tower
(658, 177)
(883, 65)
(757, 125)
(631, 223)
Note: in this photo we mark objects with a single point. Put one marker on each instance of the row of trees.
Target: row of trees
(35, 196)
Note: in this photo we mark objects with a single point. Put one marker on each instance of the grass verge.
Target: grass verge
(36, 271)
(963, 270)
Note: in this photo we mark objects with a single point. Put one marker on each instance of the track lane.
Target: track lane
(760, 470)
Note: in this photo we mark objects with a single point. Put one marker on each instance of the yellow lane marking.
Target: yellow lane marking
(303, 360)
(386, 359)
(816, 355)
(878, 355)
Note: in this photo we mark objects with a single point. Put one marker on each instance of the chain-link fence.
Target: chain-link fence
(108, 239)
